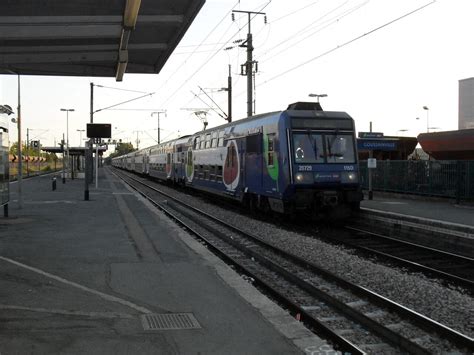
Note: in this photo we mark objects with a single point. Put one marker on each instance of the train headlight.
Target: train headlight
(304, 178)
(350, 177)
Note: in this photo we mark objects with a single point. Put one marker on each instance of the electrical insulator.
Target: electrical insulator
(233, 17)
(265, 19)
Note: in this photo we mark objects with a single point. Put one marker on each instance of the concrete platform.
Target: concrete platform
(77, 276)
(443, 211)
(435, 223)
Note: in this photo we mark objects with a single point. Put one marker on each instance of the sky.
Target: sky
(380, 61)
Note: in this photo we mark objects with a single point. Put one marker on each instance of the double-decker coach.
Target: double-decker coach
(302, 159)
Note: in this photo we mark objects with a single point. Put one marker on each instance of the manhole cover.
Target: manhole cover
(169, 321)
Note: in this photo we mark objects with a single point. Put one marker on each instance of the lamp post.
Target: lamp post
(67, 110)
(427, 118)
(158, 130)
(318, 96)
(80, 136)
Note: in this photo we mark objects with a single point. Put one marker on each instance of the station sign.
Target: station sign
(370, 135)
(372, 163)
(35, 144)
(376, 144)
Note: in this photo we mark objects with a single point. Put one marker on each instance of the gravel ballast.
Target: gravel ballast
(424, 295)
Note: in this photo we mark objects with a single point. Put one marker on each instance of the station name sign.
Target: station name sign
(370, 135)
(367, 144)
(99, 130)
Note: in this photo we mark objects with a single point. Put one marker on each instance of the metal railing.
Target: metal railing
(442, 178)
(34, 168)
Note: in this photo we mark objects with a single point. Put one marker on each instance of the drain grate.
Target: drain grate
(169, 321)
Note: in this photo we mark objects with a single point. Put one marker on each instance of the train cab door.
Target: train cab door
(253, 163)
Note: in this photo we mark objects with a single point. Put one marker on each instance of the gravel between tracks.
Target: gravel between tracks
(427, 296)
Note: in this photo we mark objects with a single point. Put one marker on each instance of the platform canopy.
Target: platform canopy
(91, 37)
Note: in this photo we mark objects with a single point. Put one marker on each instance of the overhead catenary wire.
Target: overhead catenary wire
(210, 98)
(124, 102)
(205, 62)
(305, 29)
(210, 57)
(120, 89)
(197, 47)
(346, 43)
(205, 103)
(332, 21)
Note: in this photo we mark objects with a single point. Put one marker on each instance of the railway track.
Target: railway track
(455, 269)
(353, 318)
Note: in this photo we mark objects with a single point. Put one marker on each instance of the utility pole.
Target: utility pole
(229, 95)
(88, 151)
(92, 102)
(250, 62)
(158, 129)
(20, 167)
(28, 150)
(138, 141)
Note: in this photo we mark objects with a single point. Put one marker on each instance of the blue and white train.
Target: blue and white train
(301, 160)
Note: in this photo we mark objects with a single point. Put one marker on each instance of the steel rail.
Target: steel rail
(424, 322)
(343, 344)
(468, 284)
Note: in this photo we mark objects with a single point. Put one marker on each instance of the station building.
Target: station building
(466, 104)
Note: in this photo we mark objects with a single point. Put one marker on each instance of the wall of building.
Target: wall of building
(466, 104)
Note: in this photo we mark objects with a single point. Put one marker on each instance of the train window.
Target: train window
(271, 137)
(214, 142)
(253, 143)
(308, 148)
(340, 148)
(212, 172)
(270, 153)
(220, 142)
(208, 141)
(196, 143)
(270, 158)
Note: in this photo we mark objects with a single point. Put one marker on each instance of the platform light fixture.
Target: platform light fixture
(6, 109)
(426, 108)
(427, 118)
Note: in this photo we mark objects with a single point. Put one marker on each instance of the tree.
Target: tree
(122, 149)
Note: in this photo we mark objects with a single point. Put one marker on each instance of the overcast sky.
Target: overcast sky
(385, 76)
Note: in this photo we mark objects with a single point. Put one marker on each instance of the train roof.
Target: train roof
(297, 109)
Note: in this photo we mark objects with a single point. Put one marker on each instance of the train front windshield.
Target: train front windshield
(309, 148)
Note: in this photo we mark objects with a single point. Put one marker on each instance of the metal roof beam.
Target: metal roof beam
(81, 48)
(61, 20)
(130, 17)
(10, 59)
(9, 32)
